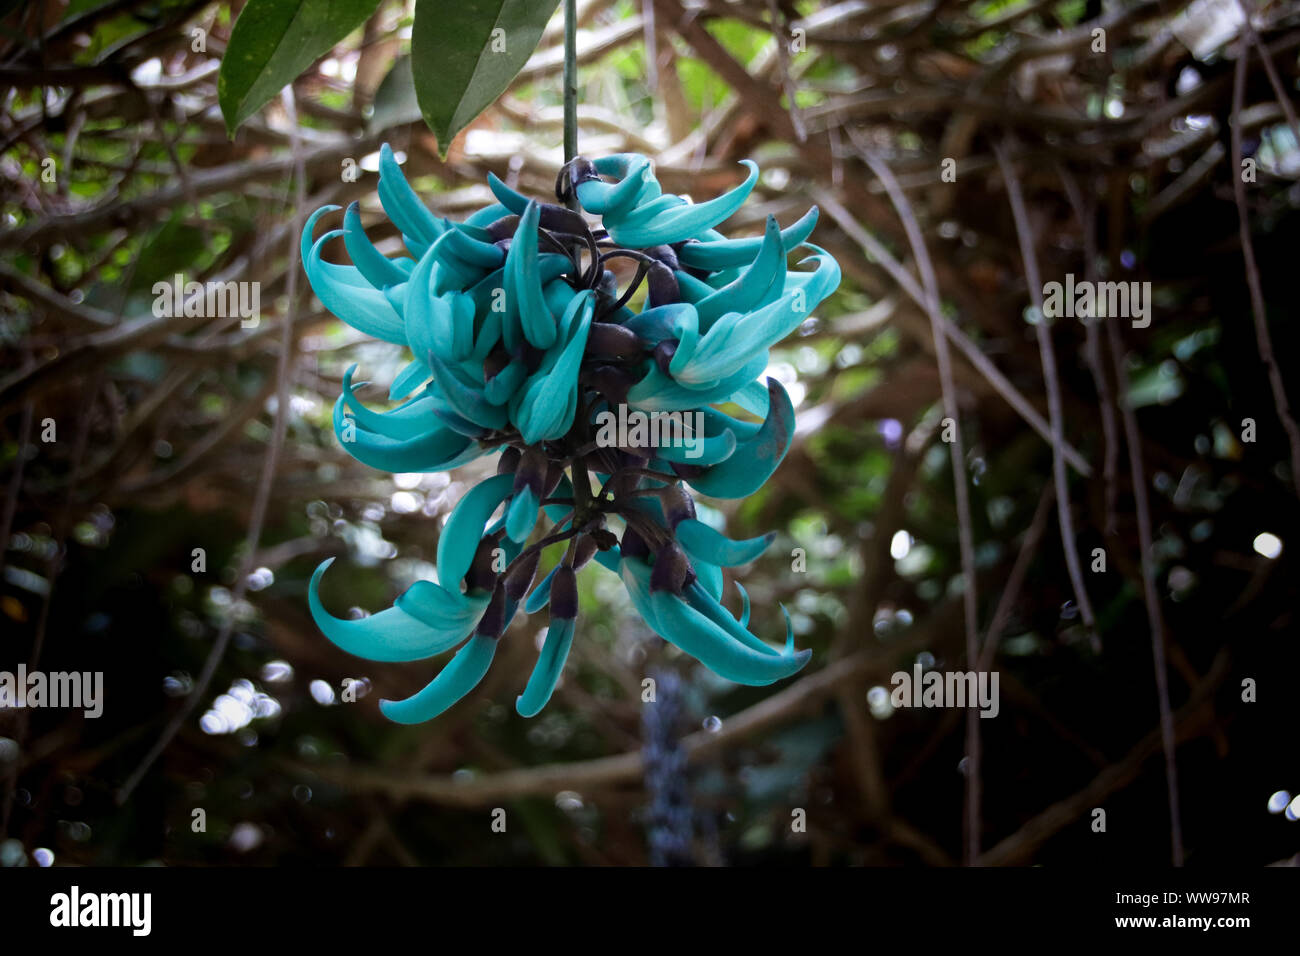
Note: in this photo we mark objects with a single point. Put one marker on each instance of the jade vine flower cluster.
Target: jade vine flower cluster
(521, 338)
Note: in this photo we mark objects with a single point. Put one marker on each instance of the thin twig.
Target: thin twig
(957, 459)
(1085, 212)
(1257, 306)
(981, 362)
(270, 464)
(1047, 355)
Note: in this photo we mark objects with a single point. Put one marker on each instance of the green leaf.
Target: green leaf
(395, 103)
(462, 63)
(273, 42)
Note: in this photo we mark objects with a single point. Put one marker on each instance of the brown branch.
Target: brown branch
(1047, 355)
(1258, 308)
(262, 496)
(957, 460)
(1018, 848)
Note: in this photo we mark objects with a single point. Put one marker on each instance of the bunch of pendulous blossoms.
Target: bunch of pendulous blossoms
(521, 339)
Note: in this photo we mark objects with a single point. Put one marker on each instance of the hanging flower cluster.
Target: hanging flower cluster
(523, 342)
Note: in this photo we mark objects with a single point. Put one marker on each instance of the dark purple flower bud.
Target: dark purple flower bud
(503, 228)
(494, 620)
(493, 365)
(670, 569)
(560, 219)
(610, 380)
(584, 550)
(564, 593)
(554, 473)
(683, 470)
(663, 354)
(667, 255)
(580, 169)
(482, 576)
(509, 460)
(623, 483)
(661, 285)
(530, 355)
(633, 545)
(532, 471)
(677, 503)
(519, 578)
(603, 538)
(607, 338)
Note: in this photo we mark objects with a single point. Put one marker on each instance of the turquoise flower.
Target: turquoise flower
(525, 347)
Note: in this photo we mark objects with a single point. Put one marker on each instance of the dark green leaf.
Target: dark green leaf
(274, 41)
(462, 63)
(395, 102)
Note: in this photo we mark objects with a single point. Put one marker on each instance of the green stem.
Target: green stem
(570, 79)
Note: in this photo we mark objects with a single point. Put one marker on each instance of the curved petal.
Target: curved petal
(615, 199)
(716, 253)
(420, 228)
(417, 417)
(435, 450)
(363, 307)
(549, 397)
(464, 528)
(657, 225)
(704, 542)
(546, 672)
(659, 392)
(761, 283)
(393, 635)
(378, 269)
(723, 349)
(461, 675)
(467, 400)
(524, 283)
(754, 460)
(705, 639)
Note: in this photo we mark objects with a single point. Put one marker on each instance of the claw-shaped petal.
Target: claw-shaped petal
(548, 400)
(724, 348)
(702, 541)
(464, 528)
(659, 392)
(420, 228)
(546, 673)
(704, 638)
(398, 634)
(524, 283)
(754, 461)
(417, 417)
(468, 400)
(347, 294)
(461, 675)
(757, 286)
(652, 224)
(438, 449)
(522, 514)
(717, 253)
(378, 269)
